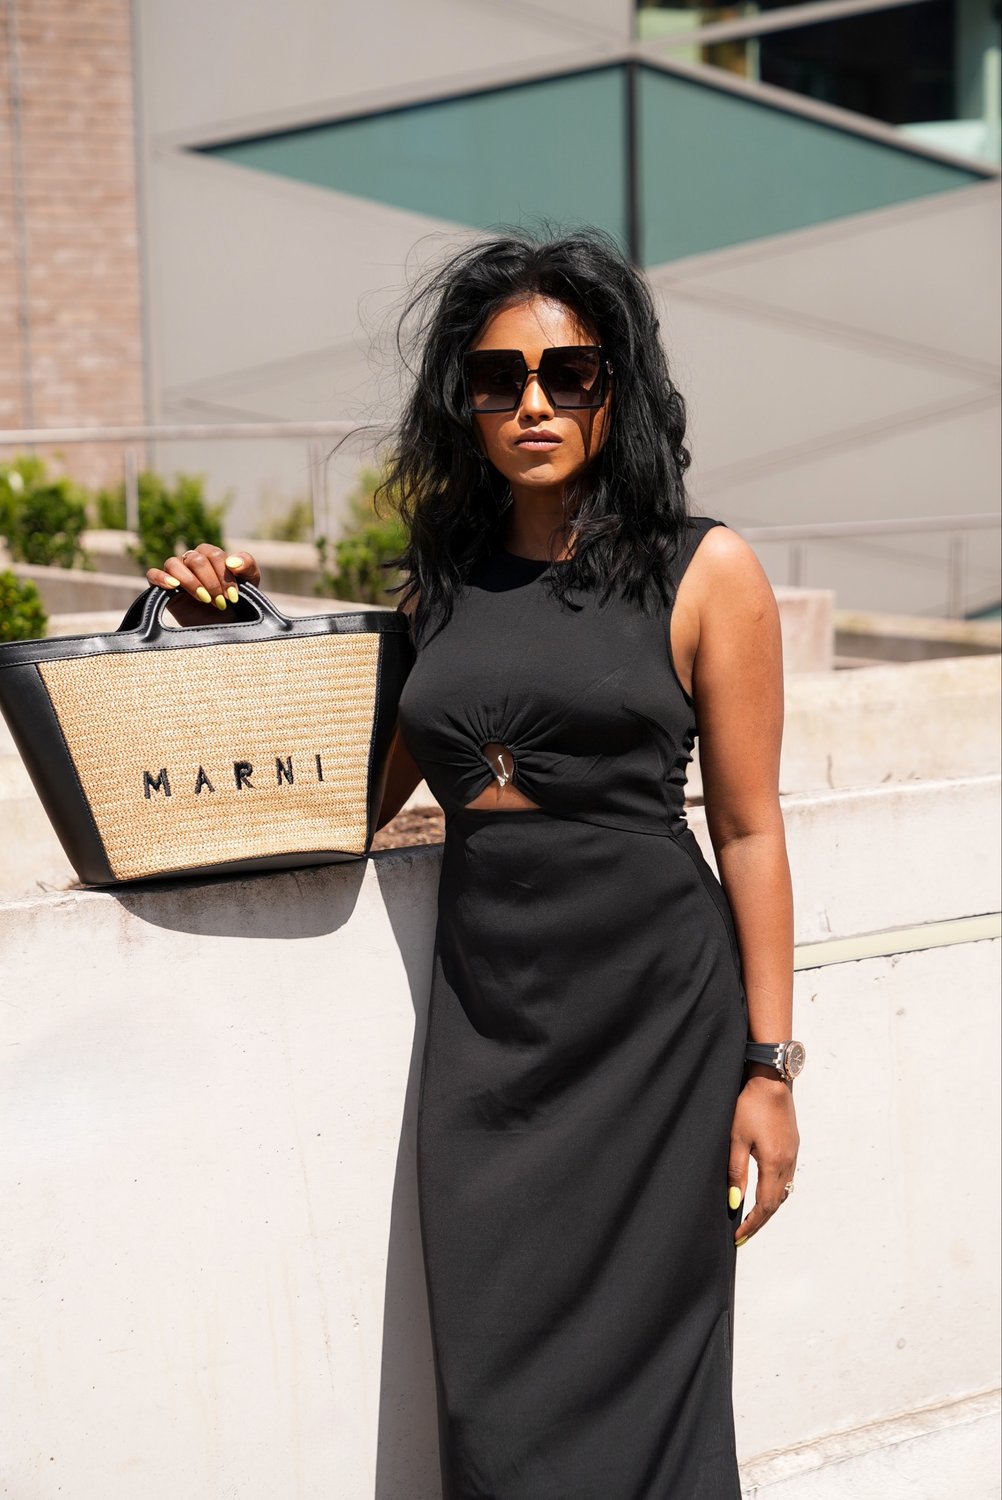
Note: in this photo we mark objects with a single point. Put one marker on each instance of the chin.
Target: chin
(541, 469)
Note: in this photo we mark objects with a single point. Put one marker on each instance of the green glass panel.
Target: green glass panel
(553, 149)
(716, 169)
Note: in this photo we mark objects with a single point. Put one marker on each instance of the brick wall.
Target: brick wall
(70, 324)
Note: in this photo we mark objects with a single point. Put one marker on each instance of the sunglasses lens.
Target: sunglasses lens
(573, 377)
(494, 381)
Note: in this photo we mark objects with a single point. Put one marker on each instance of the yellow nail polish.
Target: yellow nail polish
(743, 1240)
(219, 602)
(203, 594)
(233, 593)
(234, 562)
(734, 1197)
(172, 583)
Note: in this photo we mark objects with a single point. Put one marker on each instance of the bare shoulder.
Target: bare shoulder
(724, 555)
(728, 583)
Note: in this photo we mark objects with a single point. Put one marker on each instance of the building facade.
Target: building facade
(813, 191)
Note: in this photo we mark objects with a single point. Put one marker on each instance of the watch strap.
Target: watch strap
(770, 1053)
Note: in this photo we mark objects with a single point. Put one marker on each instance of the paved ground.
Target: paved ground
(417, 825)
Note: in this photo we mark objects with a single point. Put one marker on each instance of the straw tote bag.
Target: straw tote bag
(259, 743)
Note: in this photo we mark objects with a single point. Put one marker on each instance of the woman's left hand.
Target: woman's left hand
(764, 1126)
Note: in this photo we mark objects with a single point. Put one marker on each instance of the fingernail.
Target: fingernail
(743, 1240)
(734, 1197)
(233, 594)
(171, 583)
(219, 602)
(203, 594)
(234, 562)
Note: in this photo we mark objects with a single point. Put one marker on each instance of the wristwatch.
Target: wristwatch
(786, 1057)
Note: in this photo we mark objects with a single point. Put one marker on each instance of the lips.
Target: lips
(538, 441)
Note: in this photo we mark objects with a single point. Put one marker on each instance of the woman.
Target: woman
(587, 1111)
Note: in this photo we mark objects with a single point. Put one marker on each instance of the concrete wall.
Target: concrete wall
(847, 371)
(212, 1275)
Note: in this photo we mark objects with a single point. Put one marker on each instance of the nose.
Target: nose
(535, 403)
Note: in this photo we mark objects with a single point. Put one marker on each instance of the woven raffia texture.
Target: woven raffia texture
(203, 715)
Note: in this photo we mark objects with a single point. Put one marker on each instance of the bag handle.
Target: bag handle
(144, 615)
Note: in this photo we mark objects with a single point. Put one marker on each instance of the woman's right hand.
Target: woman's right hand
(204, 581)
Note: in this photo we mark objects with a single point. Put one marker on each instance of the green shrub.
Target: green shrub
(359, 558)
(15, 478)
(171, 519)
(109, 508)
(42, 516)
(22, 614)
(291, 525)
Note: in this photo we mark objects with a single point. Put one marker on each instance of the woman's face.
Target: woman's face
(539, 447)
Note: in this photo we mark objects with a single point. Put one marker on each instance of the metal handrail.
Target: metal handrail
(954, 527)
(27, 437)
(815, 530)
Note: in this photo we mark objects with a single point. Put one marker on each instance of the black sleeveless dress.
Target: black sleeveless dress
(584, 1054)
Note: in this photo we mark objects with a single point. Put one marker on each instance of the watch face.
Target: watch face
(796, 1056)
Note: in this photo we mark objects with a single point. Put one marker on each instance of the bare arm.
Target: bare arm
(402, 772)
(402, 776)
(738, 692)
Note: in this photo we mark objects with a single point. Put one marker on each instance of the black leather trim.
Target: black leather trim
(139, 630)
(395, 661)
(36, 733)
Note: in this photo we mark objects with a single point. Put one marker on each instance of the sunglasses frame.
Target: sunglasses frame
(601, 384)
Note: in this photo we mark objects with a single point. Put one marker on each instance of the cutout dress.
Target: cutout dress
(584, 1054)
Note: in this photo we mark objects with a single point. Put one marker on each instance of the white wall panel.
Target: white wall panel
(921, 277)
(273, 300)
(850, 372)
(234, 66)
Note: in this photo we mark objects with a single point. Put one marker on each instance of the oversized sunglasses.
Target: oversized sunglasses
(575, 377)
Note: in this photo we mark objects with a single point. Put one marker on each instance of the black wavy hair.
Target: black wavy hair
(629, 506)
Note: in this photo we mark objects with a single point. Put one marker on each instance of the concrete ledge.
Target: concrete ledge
(922, 721)
(880, 858)
(878, 637)
(79, 602)
(213, 1281)
(898, 940)
(72, 591)
(913, 721)
(939, 1453)
(290, 567)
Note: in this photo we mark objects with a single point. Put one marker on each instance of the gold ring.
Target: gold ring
(788, 1189)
